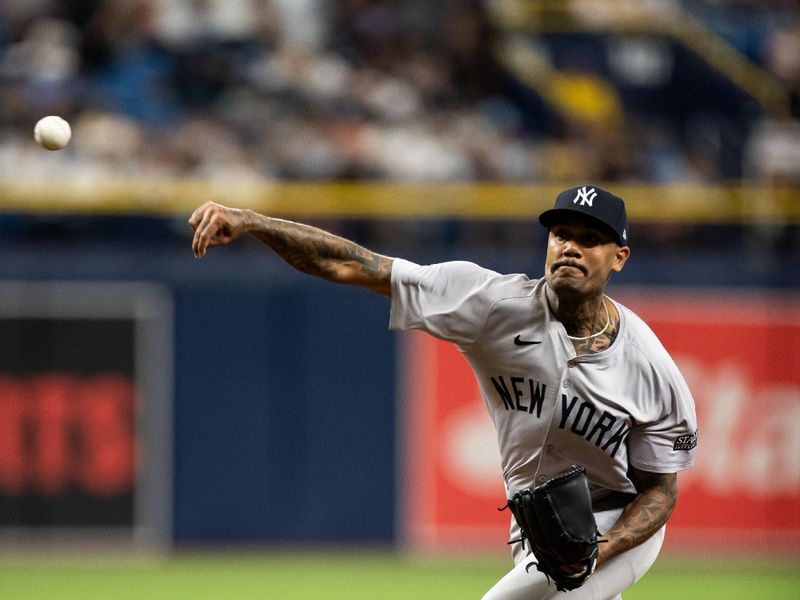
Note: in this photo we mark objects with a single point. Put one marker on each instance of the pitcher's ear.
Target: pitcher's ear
(622, 255)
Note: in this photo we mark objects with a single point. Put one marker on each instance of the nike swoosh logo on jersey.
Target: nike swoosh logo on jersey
(520, 342)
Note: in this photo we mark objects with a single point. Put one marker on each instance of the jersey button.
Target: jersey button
(565, 383)
(542, 477)
(571, 363)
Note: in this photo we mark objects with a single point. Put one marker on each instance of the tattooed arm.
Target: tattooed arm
(306, 248)
(656, 496)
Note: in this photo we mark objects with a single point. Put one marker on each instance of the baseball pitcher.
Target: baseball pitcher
(593, 419)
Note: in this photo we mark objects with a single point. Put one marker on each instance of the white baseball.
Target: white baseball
(52, 132)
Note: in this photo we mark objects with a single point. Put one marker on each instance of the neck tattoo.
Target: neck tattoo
(594, 335)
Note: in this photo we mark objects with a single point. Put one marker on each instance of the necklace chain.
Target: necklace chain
(594, 335)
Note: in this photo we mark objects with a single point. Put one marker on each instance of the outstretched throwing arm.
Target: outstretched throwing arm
(308, 249)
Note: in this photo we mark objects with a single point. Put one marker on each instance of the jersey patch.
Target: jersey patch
(686, 442)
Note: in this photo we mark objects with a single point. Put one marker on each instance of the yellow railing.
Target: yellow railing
(625, 17)
(665, 204)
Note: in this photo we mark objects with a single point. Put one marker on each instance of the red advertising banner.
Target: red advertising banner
(63, 434)
(67, 411)
(84, 413)
(740, 354)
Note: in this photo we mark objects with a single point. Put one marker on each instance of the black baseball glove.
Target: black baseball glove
(557, 521)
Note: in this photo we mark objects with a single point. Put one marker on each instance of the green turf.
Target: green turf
(712, 579)
(334, 576)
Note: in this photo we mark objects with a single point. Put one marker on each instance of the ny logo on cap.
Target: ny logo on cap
(585, 196)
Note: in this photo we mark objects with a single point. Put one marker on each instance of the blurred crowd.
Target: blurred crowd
(373, 89)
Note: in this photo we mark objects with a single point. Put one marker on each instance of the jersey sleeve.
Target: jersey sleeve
(667, 443)
(448, 300)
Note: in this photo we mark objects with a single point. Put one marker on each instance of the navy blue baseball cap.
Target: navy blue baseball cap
(594, 202)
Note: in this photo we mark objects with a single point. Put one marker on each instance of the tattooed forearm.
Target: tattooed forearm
(317, 252)
(645, 515)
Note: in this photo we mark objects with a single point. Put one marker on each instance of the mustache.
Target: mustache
(567, 263)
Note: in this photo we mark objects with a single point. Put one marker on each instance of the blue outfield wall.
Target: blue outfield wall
(284, 412)
(284, 403)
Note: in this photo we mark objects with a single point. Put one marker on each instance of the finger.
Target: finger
(206, 232)
(198, 214)
(196, 250)
(194, 218)
(200, 248)
(201, 239)
(196, 246)
(199, 242)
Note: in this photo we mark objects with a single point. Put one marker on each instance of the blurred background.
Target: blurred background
(156, 404)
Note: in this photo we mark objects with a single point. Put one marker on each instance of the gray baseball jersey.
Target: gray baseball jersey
(627, 405)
